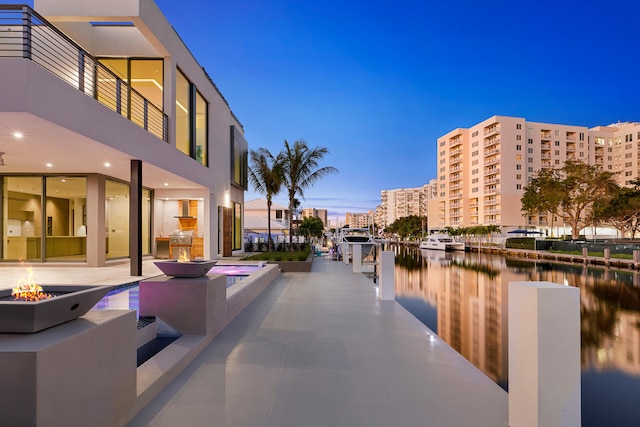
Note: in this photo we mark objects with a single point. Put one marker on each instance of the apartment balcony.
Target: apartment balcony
(456, 168)
(545, 156)
(491, 129)
(545, 146)
(491, 171)
(25, 35)
(455, 152)
(491, 181)
(492, 152)
(493, 211)
(494, 190)
(571, 137)
(492, 161)
(571, 148)
(473, 204)
(455, 141)
(492, 141)
(546, 135)
(455, 161)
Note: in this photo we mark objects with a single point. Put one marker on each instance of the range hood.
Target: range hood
(185, 210)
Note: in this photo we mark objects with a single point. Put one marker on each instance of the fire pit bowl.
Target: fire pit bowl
(194, 268)
(68, 302)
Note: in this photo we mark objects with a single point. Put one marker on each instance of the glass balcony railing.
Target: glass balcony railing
(24, 34)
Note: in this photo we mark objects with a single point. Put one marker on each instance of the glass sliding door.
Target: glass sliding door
(117, 219)
(21, 218)
(65, 227)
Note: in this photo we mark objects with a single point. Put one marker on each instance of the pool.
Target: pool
(127, 296)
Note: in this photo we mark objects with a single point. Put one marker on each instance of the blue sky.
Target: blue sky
(378, 82)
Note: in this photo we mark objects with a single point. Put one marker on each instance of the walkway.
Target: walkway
(319, 349)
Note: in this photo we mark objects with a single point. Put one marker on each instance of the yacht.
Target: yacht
(441, 242)
(360, 236)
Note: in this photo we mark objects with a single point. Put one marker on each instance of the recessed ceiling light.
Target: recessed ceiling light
(166, 184)
(107, 164)
(18, 135)
(49, 165)
(63, 180)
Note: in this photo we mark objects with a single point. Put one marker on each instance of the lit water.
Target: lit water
(127, 297)
(463, 298)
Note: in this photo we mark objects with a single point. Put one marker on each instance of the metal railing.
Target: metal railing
(24, 34)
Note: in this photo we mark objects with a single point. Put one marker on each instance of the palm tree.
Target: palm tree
(265, 175)
(300, 164)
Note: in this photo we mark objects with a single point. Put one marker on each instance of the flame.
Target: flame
(28, 289)
(183, 256)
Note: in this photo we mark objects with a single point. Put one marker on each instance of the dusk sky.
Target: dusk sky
(378, 82)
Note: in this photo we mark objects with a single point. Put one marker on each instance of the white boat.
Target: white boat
(360, 236)
(441, 242)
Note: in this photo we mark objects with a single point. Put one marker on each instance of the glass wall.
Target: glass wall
(201, 130)
(237, 226)
(117, 219)
(146, 221)
(183, 128)
(21, 218)
(66, 219)
(191, 120)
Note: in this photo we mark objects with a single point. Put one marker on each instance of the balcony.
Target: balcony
(492, 141)
(25, 35)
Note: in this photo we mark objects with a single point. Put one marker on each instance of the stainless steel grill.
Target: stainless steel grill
(179, 241)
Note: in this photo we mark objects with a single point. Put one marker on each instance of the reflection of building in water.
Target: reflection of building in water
(472, 313)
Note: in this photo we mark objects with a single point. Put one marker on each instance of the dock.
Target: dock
(320, 349)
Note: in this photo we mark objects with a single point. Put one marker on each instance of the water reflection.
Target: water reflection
(463, 298)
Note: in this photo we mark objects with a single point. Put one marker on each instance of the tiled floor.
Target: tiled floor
(319, 349)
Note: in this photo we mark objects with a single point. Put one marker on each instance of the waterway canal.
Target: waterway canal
(463, 298)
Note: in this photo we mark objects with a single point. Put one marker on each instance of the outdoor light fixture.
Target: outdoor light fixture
(1, 159)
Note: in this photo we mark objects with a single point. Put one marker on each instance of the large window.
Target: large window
(237, 226)
(239, 154)
(66, 219)
(146, 77)
(21, 218)
(117, 219)
(191, 120)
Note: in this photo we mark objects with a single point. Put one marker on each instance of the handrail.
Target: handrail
(27, 35)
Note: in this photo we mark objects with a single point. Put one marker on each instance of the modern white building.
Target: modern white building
(482, 170)
(113, 137)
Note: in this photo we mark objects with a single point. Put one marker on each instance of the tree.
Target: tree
(622, 210)
(568, 192)
(407, 226)
(266, 177)
(311, 227)
(300, 166)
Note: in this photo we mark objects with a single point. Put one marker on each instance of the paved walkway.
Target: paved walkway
(319, 349)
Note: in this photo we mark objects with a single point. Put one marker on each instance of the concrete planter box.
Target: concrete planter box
(295, 266)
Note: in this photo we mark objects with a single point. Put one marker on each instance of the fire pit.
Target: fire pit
(62, 303)
(177, 268)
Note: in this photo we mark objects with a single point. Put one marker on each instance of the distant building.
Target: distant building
(401, 203)
(482, 170)
(255, 218)
(359, 220)
(316, 213)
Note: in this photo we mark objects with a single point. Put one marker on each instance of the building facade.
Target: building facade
(321, 214)
(360, 220)
(401, 203)
(483, 170)
(114, 137)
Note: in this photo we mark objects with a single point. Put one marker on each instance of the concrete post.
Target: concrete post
(386, 285)
(585, 253)
(357, 258)
(544, 355)
(636, 258)
(345, 252)
(607, 256)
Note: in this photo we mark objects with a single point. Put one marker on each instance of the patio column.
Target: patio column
(135, 218)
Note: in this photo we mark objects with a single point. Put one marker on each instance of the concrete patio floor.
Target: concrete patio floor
(319, 349)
